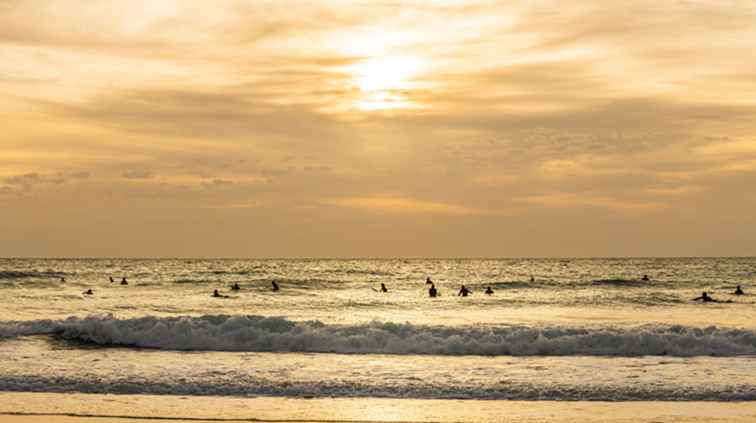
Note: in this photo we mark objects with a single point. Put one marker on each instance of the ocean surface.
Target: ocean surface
(554, 329)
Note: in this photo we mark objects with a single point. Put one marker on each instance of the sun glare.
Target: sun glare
(383, 81)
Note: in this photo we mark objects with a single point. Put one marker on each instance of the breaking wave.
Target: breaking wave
(275, 334)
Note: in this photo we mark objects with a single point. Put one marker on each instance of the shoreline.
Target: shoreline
(106, 408)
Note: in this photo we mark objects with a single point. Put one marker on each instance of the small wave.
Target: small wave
(193, 281)
(231, 272)
(353, 271)
(620, 282)
(276, 334)
(515, 285)
(18, 274)
(247, 386)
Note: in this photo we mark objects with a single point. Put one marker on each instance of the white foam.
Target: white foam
(274, 334)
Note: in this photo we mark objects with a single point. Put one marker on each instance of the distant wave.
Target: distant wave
(274, 334)
(18, 274)
(621, 282)
(230, 272)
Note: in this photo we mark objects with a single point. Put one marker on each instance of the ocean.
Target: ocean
(554, 329)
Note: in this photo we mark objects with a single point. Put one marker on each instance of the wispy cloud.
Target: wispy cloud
(401, 205)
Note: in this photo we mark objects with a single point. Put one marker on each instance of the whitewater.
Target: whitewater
(554, 329)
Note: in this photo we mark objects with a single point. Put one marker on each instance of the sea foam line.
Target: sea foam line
(277, 334)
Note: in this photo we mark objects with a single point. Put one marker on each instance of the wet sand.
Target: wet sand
(96, 408)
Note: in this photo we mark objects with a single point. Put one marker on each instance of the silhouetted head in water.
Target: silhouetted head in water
(432, 292)
(738, 291)
(123, 281)
(428, 281)
(235, 287)
(216, 293)
(88, 292)
(62, 279)
(532, 279)
(275, 285)
(645, 277)
(463, 291)
(489, 291)
(111, 279)
(383, 287)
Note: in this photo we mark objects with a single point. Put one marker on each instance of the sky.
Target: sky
(377, 129)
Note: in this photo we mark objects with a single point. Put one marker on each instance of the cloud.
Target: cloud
(32, 180)
(674, 191)
(25, 180)
(563, 112)
(138, 174)
(576, 200)
(80, 175)
(401, 205)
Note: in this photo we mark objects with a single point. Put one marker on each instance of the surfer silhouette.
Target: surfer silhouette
(235, 287)
(123, 281)
(704, 297)
(383, 287)
(428, 281)
(738, 291)
(432, 292)
(489, 291)
(707, 299)
(464, 291)
(88, 292)
(275, 286)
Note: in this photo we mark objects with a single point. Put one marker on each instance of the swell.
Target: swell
(275, 334)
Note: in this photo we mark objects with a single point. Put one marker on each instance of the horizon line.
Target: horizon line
(366, 258)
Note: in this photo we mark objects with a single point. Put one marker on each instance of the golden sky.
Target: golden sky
(377, 129)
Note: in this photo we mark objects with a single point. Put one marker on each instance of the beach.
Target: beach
(78, 408)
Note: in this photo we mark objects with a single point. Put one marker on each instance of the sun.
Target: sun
(384, 81)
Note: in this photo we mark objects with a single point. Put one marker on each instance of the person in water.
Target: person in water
(738, 291)
(217, 294)
(464, 291)
(645, 278)
(428, 281)
(88, 292)
(275, 286)
(532, 279)
(432, 292)
(489, 291)
(123, 281)
(707, 299)
(704, 297)
(235, 287)
(111, 279)
(383, 287)
(62, 279)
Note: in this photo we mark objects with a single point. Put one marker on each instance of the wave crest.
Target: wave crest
(276, 334)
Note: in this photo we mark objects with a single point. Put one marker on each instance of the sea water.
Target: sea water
(554, 329)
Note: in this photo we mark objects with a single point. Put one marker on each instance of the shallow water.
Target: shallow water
(583, 329)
